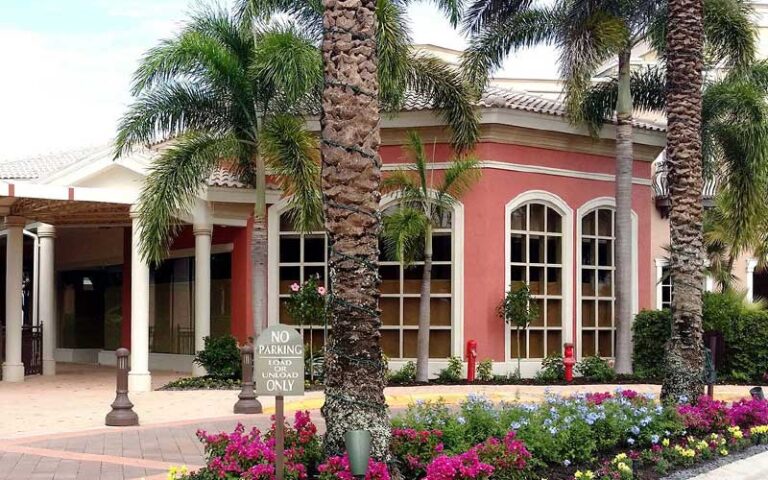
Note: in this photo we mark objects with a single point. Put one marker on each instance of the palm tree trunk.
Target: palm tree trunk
(351, 179)
(685, 358)
(623, 231)
(259, 251)
(422, 352)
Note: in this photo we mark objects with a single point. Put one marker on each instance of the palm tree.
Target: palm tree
(408, 230)
(216, 93)
(589, 33)
(684, 366)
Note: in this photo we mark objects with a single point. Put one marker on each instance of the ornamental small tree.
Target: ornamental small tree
(518, 310)
(306, 305)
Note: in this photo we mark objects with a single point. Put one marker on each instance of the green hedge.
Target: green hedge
(744, 329)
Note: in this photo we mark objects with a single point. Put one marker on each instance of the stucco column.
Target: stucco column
(47, 300)
(202, 229)
(13, 368)
(751, 265)
(139, 378)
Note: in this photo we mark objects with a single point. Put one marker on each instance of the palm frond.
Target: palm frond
(293, 154)
(482, 13)
(174, 180)
(433, 78)
(393, 47)
(729, 31)
(415, 150)
(403, 233)
(459, 177)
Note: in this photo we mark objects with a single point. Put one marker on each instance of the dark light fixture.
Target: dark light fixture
(757, 393)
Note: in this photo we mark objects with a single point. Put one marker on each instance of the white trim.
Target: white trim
(584, 209)
(558, 204)
(751, 265)
(190, 252)
(660, 263)
(457, 268)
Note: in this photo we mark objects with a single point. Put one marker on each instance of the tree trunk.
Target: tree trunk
(422, 352)
(259, 251)
(623, 227)
(351, 179)
(685, 358)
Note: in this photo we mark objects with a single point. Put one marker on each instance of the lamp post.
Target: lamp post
(358, 443)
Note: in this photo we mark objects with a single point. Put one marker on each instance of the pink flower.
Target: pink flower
(295, 287)
(321, 290)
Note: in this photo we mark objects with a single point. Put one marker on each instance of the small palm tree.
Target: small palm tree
(589, 33)
(407, 231)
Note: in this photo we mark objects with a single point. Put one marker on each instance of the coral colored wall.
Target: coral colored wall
(484, 224)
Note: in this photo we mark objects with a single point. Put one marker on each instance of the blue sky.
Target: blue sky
(67, 65)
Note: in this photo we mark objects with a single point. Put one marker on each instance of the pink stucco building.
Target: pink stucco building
(542, 213)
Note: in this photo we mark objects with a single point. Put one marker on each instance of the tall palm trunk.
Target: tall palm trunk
(685, 359)
(623, 228)
(259, 250)
(422, 350)
(351, 179)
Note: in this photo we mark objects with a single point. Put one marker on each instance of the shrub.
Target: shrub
(452, 373)
(203, 383)
(338, 468)
(705, 416)
(465, 466)
(552, 368)
(747, 350)
(407, 374)
(485, 370)
(595, 369)
(509, 458)
(650, 332)
(413, 450)
(220, 357)
(748, 413)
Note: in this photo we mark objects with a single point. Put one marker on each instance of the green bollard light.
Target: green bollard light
(358, 443)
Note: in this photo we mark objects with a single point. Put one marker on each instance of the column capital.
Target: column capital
(15, 222)
(202, 230)
(46, 231)
(134, 211)
(201, 218)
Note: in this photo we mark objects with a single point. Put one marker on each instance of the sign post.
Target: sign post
(279, 364)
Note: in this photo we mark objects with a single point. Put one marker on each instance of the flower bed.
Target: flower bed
(605, 436)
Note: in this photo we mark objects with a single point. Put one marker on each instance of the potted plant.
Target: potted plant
(518, 310)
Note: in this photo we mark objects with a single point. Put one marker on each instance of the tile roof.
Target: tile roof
(39, 166)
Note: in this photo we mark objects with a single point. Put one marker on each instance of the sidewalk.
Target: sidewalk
(751, 468)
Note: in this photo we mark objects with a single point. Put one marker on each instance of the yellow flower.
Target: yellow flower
(736, 432)
(585, 475)
(702, 445)
(620, 458)
(665, 442)
(624, 468)
(175, 472)
(723, 452)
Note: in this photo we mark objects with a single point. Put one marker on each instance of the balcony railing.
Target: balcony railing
(660, 186)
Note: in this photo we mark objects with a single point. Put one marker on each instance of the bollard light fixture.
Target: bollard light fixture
(757, 393)
(122, 414)
(358, 443)
(247, 402)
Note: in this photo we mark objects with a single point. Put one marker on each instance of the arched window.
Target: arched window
(302, 255)
(597, 282)
(536, 249)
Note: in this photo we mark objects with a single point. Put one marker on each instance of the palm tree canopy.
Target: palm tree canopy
(216, 92)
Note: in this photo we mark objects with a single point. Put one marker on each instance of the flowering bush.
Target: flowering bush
(705, 416)
(465, 466)
(338, 468)
(302, 443)
(509, 457)
(748, 413)
(413, 450)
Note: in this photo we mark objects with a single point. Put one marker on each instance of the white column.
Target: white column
(202, 229)
(47, 296)
(751, 265)
(13, 368)
(139, 379)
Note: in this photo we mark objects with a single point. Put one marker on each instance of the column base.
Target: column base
(49, 367)
(139, 382)
(13, 372)
(198, 370)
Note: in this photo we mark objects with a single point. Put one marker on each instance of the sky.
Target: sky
(67, 65)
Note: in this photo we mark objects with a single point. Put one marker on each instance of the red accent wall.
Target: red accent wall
(125, 324)
(242, 312)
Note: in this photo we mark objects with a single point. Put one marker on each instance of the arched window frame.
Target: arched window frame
(530, 366)
(584, 209)
(457, 272)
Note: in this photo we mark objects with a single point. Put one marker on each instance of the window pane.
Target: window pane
(517, 219)
(588, 313)
(536, 280)
(315, 272)
(290, 248)
(604, 313)
(536, 249)
(440, 312)
(536, 344)
(517, 248)
(604, 283)
(605, 222)
(314, 248)
(517, 276)
(440, 344)
(537, 217)
(554, 342)
(412, 279)
(588, 344)
(554, 222)
(539, 321)
(411, 311)
(605, 343)
(441, 247)
(587, 251)
(441, 279)
(605, 253)
(390, 343)
(554, 249)
(588, 224)
(554, 313)
(410, 343)
(514, 340)
(288, 276)
(390, 278)
(285, 317)
(390, 310)
(285, 224)
(588, 282)
(554, 281)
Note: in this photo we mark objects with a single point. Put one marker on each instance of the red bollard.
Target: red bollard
(569, 360)
(471, 360)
